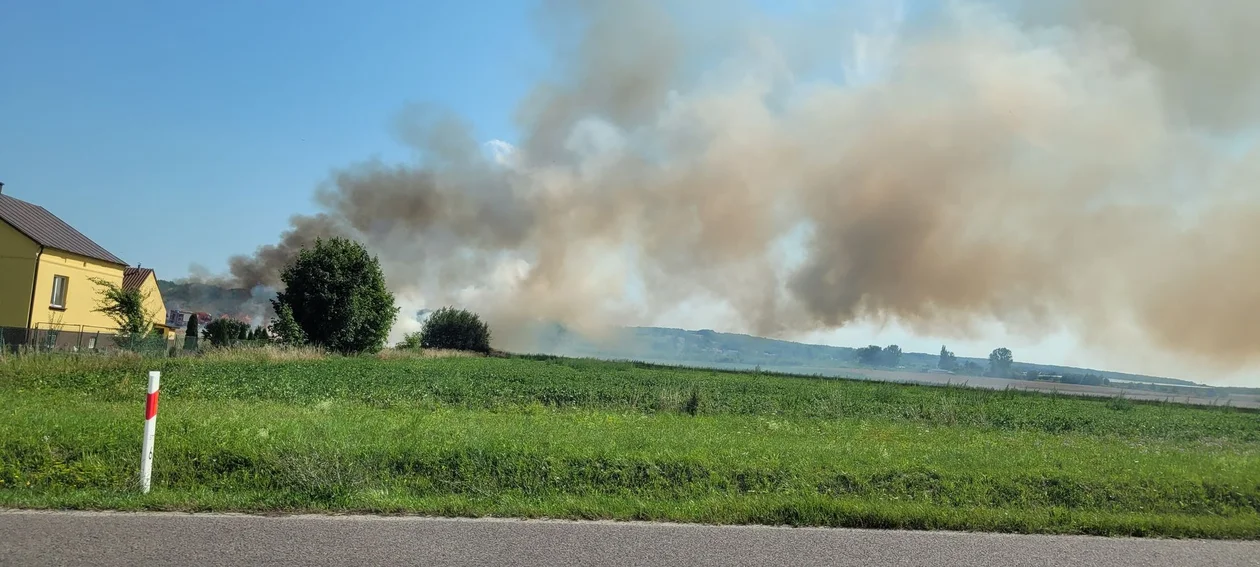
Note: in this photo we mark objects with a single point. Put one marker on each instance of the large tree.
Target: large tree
(1000, 361)
(336, 293)
(947, 361)
(891, 356)
(869, 355)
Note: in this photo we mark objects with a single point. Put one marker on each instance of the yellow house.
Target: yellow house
(46, 272)
(144, 280)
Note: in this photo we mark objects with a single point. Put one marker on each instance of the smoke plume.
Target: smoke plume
(1090, 166)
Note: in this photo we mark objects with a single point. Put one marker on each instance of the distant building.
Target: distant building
(178, 318)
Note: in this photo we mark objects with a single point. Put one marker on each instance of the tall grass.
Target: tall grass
(587, 439)
(24, 357)
(506, 383)
(395, 353)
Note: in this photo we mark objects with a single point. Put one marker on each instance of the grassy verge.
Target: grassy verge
(582, 439)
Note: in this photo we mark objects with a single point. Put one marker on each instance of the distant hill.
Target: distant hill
(710, 347)
(665, 344)
(250, 306)
(654, 344)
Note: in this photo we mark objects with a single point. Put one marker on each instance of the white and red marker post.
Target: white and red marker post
(150, 428)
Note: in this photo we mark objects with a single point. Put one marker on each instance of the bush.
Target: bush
(411, 341)
(190, 335)
(1120, 403)
(335, 293)
(455, 329)
(285, 329)
(693, 402)
(126, 308)
(225, 331)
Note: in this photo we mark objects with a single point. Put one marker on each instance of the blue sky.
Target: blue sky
(130, 119)
(180, 133)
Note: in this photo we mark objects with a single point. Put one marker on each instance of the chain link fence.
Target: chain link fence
(62, 338)
(89, 339)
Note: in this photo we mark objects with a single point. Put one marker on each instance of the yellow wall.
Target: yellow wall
(155, 306)
(82, 295)
(17, 269)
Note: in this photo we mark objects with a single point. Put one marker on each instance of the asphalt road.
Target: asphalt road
(32, 539)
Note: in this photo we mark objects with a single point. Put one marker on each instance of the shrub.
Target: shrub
(456, 329)
(1120, 403)
(190, 335)
(126, 308)
(336, 294)
(286, 329)
(693, 402)
(225, 331)
(411, 341)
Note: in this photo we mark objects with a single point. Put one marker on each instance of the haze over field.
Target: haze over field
(1086, 170)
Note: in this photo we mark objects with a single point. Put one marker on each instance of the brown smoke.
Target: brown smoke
(1085, 166)
(263, 268)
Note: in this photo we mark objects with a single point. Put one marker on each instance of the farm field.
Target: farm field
(916, 377)
(1242, 401)
(574, 438)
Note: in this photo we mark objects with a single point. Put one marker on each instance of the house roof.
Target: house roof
(49, 231)
(133, 278)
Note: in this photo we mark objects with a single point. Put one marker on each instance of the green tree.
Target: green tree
(190, 335)
(891, 356)
(225, 331)
(869, 355)
(457, 329)
(411, 341)
(286, 329)
(126, 308)
(947, 361)
(1000, 361)
(336, 294)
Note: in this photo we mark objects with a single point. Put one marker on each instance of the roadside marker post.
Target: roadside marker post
(150, 428)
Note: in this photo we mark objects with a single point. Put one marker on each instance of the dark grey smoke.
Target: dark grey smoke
(263, 268)
(1087, 165)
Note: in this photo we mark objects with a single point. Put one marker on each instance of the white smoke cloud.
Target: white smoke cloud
(986, 166)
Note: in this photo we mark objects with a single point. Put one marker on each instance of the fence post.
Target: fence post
(150, 428)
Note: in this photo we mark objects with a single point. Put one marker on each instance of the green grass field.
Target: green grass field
(544, 437)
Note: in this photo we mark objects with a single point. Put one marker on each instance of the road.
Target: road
(31, 539)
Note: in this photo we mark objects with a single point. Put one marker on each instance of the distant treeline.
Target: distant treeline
(715, 348)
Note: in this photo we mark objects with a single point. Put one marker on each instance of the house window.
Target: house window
(60, 283)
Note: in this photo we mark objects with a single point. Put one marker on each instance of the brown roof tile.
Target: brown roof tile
(47, 230)
(133, 278)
